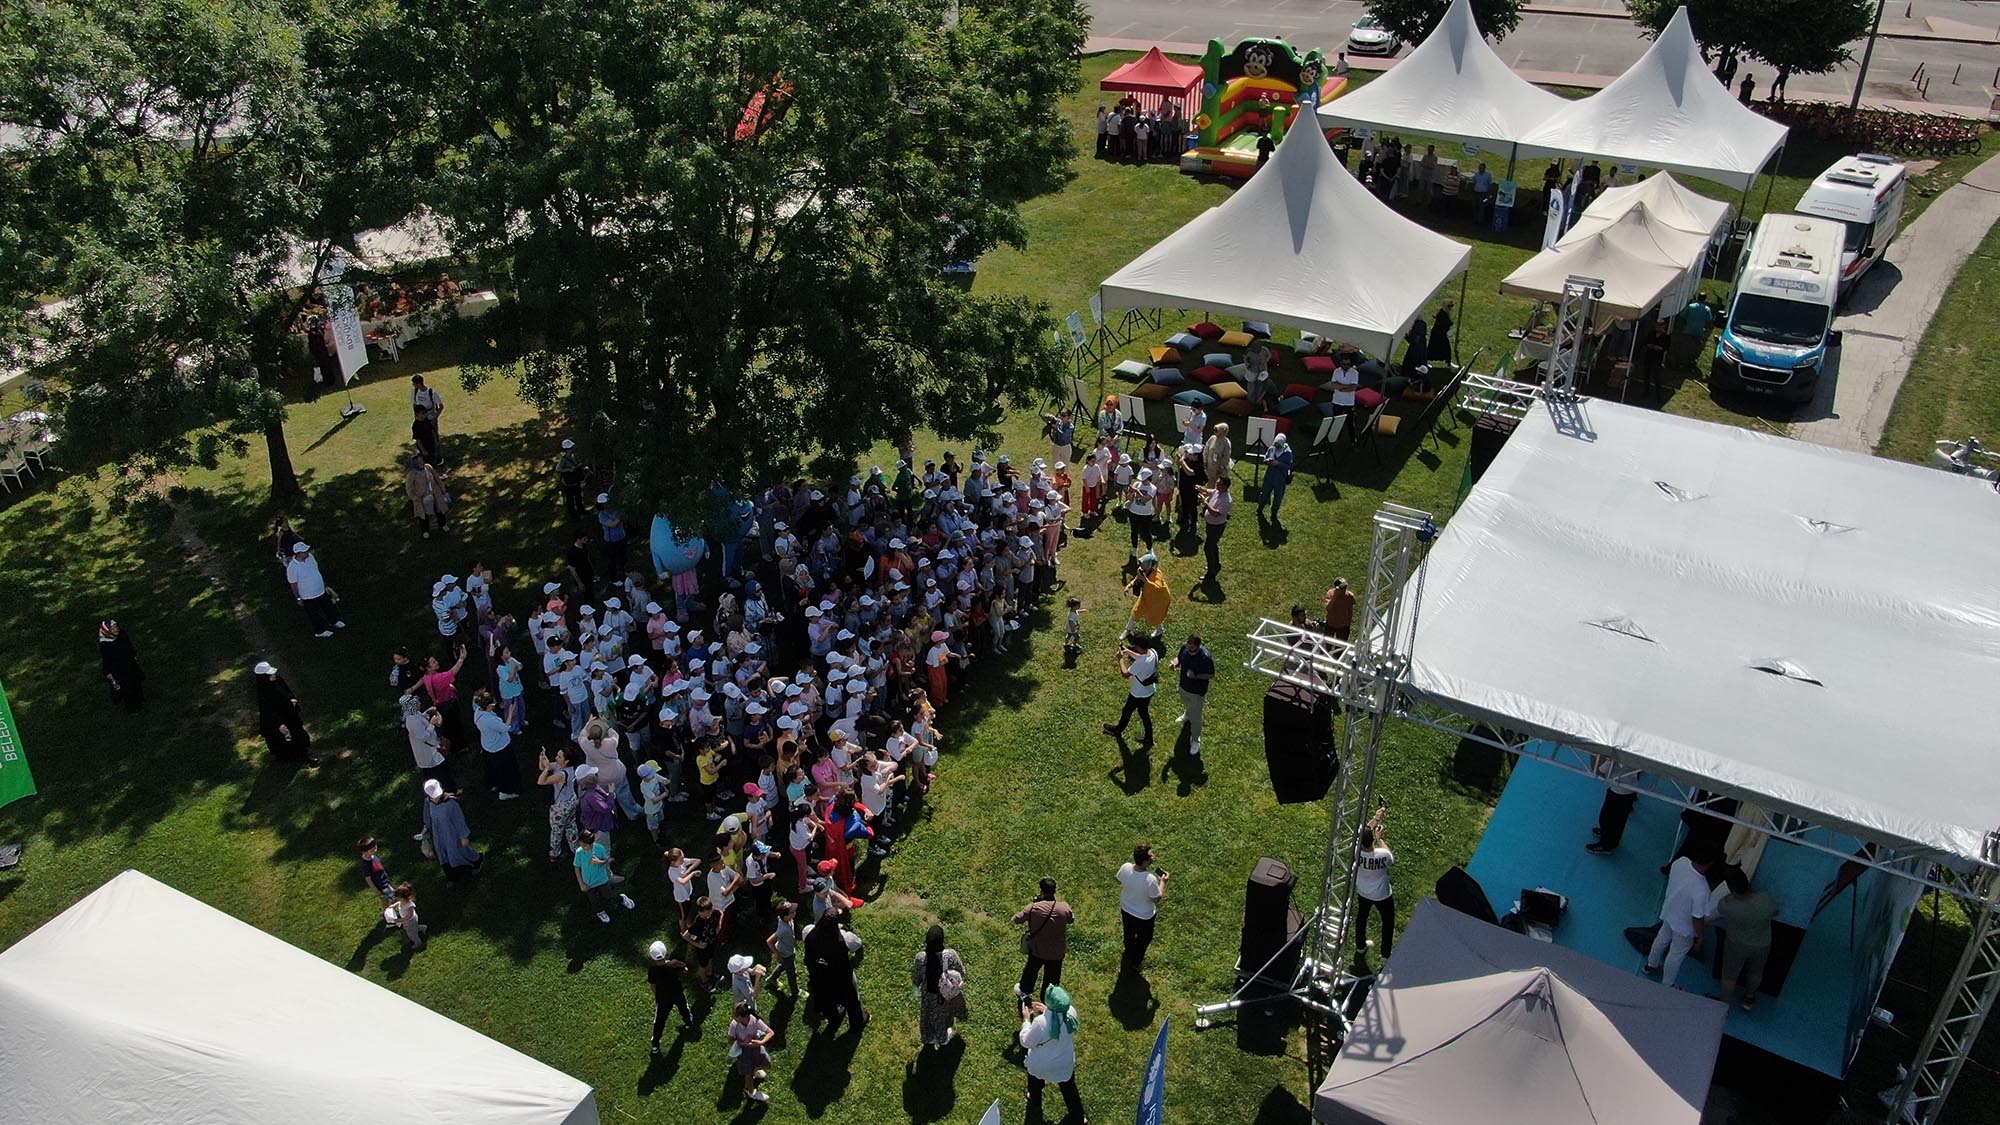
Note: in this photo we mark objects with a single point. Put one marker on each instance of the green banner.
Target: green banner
(15, 780)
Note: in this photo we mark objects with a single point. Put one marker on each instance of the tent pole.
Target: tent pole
(1772, 180)
(1456, 350)
(1513, 150)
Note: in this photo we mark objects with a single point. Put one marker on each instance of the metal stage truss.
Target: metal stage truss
(1369, 679)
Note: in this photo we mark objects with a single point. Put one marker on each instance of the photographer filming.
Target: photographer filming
(1140, 666)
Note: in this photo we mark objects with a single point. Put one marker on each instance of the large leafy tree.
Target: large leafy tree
(727, 222)
(1412, 20)
(166, 166)
(1796, 36)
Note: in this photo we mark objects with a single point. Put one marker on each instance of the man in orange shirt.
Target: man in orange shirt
(1339, 609)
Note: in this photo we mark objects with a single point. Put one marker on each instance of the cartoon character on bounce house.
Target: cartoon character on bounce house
(1255, 89)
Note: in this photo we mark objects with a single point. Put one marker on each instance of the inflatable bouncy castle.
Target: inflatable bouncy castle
(1247, 92)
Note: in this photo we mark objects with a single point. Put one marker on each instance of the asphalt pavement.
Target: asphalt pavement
(1591, 39)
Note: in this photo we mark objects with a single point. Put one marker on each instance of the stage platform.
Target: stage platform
(1536, 838)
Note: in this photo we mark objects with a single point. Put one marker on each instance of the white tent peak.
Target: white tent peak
(1453, 85)
(1303, 244)
(1666, 111)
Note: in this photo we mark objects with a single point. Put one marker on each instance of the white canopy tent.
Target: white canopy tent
(140, 1004)
(1666, 111)
(1813, 630)
(1453, 86)
(1302, 244)
(1647, 242)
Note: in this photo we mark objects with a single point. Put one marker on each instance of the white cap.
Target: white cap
(731, 690)
(1061, 465)
(814, 611)
(754, 708)
(551, 587)
(635, 661)
(633, 689)
(671, 626)
(588, 611)
(614, 603)
(449, 579)
(300, 548)
(604, 498)
(264, 668)
(1281, 440)
(658, 950)
(599, 666)
(752, 649)
(433, 788)
(586, 773)
(568, 444)
(895, 544)
(669, 715)
(732, 823)
(653, 607)
(741, 963)
(844, 635)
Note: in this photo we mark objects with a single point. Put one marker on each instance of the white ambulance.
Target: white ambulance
(1866, 193)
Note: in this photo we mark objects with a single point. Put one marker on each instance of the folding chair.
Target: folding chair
(14, 472)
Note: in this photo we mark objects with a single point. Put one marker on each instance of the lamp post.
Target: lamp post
(1866, 51)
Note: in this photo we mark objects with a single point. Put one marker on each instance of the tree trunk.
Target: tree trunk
(285, 490)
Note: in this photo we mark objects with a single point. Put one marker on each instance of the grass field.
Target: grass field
(1953, 389)
(1028, 787)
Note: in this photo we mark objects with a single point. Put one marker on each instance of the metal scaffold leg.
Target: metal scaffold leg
(1954, 1028)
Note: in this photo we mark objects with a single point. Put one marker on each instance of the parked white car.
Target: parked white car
(1369, 37)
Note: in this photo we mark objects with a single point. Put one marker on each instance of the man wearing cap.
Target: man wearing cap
(612, 524)
(1278, 462)
(310, 590)
(1139, 509)
(451, 836)
(570, 474)
(663, 976)
(1140, 666)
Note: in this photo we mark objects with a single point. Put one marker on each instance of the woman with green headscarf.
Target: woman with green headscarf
(1048, 1034)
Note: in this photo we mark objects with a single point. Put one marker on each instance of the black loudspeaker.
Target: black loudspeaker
(1488, 435)
(1298, 742)
(1269, 922)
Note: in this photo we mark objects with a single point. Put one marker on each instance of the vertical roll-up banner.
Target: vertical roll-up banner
(15, 780)
(349, 342)
(1153, 1095)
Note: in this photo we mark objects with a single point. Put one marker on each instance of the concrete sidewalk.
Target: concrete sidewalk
(1887, 315)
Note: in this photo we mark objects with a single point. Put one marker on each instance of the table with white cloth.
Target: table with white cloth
(390, 333)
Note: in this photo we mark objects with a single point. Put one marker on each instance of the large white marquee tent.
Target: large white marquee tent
(1304, 244)
(1647, 242)
(140, 1004)
(1453, 86)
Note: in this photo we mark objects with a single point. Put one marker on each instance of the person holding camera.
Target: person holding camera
(1372, 891)
(1141, 889)
(1048, 1035)
(1140, 665)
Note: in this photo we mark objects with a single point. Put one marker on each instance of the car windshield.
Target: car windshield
(1857, 236)
(1367, 23)
(1778, 321)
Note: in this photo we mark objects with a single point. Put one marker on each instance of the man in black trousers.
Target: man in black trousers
(1620, 795)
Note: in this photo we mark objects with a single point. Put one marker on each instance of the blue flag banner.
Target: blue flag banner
(1153, 1095)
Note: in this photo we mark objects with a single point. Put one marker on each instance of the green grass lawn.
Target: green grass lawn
(1028, 786)
(1953, 388)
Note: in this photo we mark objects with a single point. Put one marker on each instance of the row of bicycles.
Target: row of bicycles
(1881, 130)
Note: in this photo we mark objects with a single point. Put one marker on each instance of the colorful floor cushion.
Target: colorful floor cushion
(1368, 398)
(1237, 339)
(1285, 426)
(1132, 369)
(1229, 391)
(1292, 404)
(1239, 372)
(1165, 355)
(1292, 390)
(1169, 377)
(1235, 408)
(1207, 329)
(1257, 327)
(1208, 373)
(1184, 341)
(1194, 396)
(1218, 359)
(1318, 364)
(1152, 392)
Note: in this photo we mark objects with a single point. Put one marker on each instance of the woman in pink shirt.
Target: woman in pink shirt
(441, 685)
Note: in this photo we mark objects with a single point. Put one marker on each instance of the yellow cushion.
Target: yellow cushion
(1226, 391)
(1163, 356)
(1386, 424)
(1151, 392)
(1236, 339)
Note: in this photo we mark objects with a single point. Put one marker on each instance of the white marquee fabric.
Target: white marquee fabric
(1452, 86)
(1624, 590)
(1667, 202)
(1303, 244)
(1470, 1022)
(1627, 255)
(142, 1005)
(1666, 111)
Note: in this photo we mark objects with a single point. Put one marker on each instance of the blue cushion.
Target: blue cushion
(1257, 327)
(1218, 359)
(1169, 376)
(1184, 341)
(1194, 396)
(1291, 403)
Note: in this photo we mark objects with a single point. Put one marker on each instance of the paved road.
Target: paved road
(1582, 44)
(1884, 321)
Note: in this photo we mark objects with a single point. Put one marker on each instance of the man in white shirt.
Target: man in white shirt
(1141, 667)
(1194, 428)
(448, 605)
(1482, 192)
(1139, 508)
(1140, 891)
(309, 588)
(1683, 917)
(1372, 891)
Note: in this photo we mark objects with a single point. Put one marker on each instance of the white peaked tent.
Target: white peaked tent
(1626, 254)
(140, 1004)
(1668, 204)
(1470, 1022)
(1666, 111)
(1452, 86)
(1303, 244)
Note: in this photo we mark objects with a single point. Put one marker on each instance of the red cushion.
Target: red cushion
(1300, 390)
(1368, 398)
(1285, 426)
(1207, 330)
(1209, 373)
(1318, 364)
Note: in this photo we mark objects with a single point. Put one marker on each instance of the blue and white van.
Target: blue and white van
(1779, 324)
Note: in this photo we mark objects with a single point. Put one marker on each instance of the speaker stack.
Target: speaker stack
(1298, 742)
(1269, 923)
